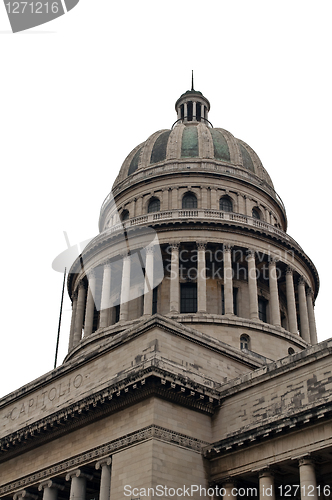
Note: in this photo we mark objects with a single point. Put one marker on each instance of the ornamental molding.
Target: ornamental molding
(201, 245)
(137, 385)
(101, 454)
(280, 425)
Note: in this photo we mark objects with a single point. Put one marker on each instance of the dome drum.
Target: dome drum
(205, 194)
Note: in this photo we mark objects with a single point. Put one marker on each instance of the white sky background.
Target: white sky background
(79, 93)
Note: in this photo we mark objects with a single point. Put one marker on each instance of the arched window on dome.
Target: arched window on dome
(256, 214)
(225, 204)
(245, 342)
(189, 201)
(124, 215)
(154, 205)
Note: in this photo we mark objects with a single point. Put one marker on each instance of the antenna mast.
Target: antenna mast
(60, 315)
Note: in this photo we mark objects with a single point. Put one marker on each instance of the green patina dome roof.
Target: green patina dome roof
(194, 140)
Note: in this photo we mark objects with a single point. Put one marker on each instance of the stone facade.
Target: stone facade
(193, 367)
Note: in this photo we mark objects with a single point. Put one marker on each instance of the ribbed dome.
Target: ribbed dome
(193, 140)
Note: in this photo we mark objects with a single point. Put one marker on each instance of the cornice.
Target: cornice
(137, 384)
(237, 226)
(170, 324)
(278, 426)
(95, 454)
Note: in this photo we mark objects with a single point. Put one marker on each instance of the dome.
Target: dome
(191, 141)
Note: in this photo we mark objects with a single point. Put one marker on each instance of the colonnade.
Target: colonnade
(305, 486)
(78, 484)
(233, 488)
(195, 107)
(83, 297)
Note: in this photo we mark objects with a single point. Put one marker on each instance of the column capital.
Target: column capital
(266, 472)
(50, 484)
(310, 292)
(228, 248)
(150, 249)
(78, 473)
(289, 270)
(272, 259)
(308, 460)
(174, 246)
(201, 245)
(301, 281)
(103, 461)
(125, 255)
(74, 295)
(251, 252)
(81, 285)
(24, 494)
(106, 263)
(91, 273)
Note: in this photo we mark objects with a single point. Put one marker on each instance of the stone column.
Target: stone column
(78, 484)
(105, 480)
(50, 489)
(175, 198)
(105, 295)
(266, 486)
(148, 282)
(229, 489)
(90, 303)
(252, 285)
(240, 204)
(228, 280)
(204, 203)
(214, 199)
(304, 319)
(308, 485)
(72, 324)
(79, 312)
(174, 291)
(274, 294)
(139, 206)
(164, 199)
(125, 288)
(185, 109)
(247, 205)
(291, 306)
(311, 315)
(201, 278)
(194, 111)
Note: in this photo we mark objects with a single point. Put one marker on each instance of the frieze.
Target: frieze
(95, 454)
(112, 398)
(44, 399)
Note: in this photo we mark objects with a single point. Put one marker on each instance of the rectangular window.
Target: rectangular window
(188, 298)
(154, 300)
(262, 306)
(235, 291)
(117, 313)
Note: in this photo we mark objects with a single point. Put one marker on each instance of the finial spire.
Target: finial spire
(192, 79)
